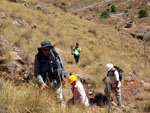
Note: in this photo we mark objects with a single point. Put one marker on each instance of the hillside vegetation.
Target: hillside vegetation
(23, 26)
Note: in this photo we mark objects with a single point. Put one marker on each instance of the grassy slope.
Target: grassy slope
(100, 44)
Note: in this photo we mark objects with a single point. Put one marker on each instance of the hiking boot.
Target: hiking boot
(119, 105)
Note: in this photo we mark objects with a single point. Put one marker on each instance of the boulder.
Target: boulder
(89, 18)
(20, 21)
(17, 66)
(140, 36)
(15, 57)
(41, 8)
(34, 26)
(137, 35)
(99, 99)
(26, 5)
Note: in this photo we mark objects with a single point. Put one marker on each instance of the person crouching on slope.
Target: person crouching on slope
(79, 95)
(48, 68)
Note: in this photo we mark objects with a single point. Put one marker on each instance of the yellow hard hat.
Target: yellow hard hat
(72, 78)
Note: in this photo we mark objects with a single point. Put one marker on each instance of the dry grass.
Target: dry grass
(143, 96)
(22, 98)
(104, 44)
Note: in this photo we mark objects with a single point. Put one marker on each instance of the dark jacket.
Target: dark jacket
(48, 67)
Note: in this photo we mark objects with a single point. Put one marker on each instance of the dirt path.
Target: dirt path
(89, 6)
(122, 20)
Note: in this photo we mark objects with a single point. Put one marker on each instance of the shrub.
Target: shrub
(105, 14)
(125, 11)
(143, 13)
(113, 8)
(63, 3)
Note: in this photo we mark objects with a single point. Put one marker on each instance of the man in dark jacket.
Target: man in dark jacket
(48, 68)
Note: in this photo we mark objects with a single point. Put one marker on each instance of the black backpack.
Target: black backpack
(119, 71)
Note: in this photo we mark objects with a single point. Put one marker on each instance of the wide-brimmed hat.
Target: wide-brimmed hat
(109, 66)
(45, 43)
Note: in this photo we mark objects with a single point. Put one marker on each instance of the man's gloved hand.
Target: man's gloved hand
(43, 86)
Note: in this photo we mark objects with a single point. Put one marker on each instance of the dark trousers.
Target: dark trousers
(76, 58)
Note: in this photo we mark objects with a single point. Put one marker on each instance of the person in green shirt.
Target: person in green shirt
(76, 52)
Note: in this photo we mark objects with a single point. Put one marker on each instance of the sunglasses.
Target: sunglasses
(46, 50)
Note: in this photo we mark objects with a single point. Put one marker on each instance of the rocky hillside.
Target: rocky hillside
(24, 24)
(125, 16)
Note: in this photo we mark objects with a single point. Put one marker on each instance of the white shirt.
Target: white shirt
(114, 78)
(80, 95)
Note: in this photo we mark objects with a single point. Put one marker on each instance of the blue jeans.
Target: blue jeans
(76, 58)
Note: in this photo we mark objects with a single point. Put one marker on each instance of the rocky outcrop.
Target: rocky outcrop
(139, 36)
(12, 64)
(18, 67)
(19, 21)
(129, 24)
